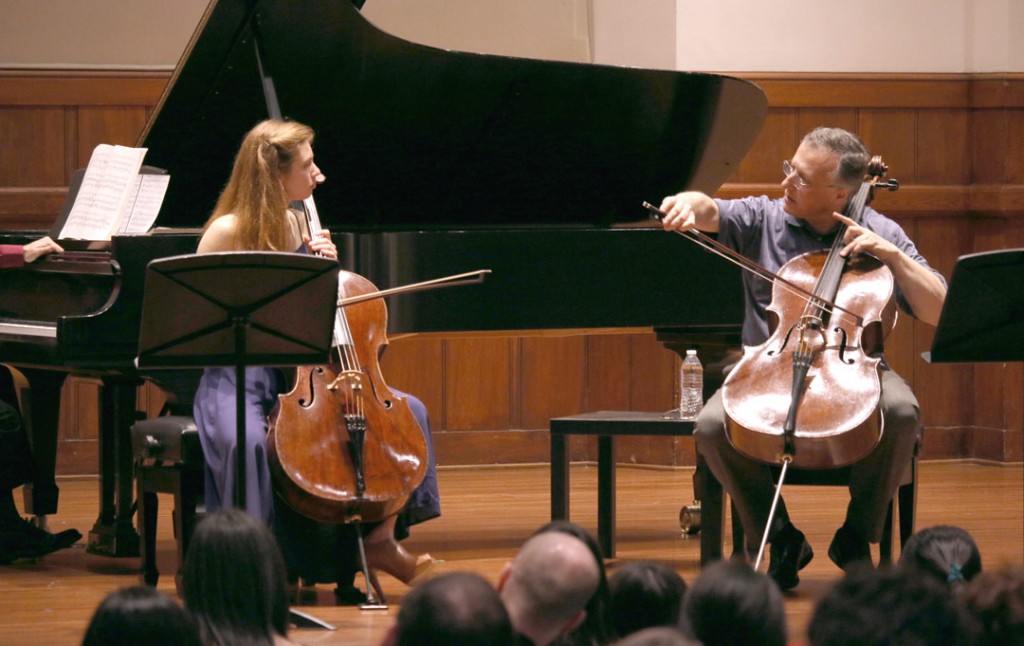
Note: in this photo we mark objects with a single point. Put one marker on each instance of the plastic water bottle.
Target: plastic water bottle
(691, 386)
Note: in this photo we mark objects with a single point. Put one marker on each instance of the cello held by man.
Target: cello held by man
(827, 168)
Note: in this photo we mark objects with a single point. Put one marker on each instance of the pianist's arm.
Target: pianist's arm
(12, 256)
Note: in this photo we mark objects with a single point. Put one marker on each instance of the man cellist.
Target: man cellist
(828, 167)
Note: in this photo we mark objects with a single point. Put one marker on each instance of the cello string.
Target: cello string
(347, 356)
(342, 334)
(738, 259)
(746, 264)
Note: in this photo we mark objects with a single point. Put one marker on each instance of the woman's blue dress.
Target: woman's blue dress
(315, 551)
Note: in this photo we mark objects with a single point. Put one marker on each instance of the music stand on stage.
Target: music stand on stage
(983, 316)
(238, 309)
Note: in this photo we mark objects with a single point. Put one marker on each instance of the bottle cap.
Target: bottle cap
(691, 352)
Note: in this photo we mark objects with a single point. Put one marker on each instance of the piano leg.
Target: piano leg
(113, 534)
(41, 416)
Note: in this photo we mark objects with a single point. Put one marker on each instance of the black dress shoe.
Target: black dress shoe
(790, 553)
(848, 547)
(24, 540)
(349, 595)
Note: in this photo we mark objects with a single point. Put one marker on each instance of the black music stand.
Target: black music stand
(983, 316)
(239, 309)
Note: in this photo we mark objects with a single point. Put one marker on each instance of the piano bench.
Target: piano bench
(606, 425)
(168, 459)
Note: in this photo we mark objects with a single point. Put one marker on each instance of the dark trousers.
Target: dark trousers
(873, 480)
(16, 464)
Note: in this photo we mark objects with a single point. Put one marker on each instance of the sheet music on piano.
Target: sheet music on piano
(114, 197)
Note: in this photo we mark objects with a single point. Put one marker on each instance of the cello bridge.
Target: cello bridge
(352, 378)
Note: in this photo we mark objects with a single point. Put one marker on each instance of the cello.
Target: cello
(811, 391)
(342, 446)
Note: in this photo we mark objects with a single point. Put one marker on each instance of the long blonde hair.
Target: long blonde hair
(255, 193)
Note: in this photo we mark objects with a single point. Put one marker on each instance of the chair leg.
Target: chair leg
(191, 492)
(148, 508)
(907, 497)
(885, 546)
(739, 538)
(712, 516)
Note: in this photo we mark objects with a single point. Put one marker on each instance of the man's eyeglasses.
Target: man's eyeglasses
(798, 181)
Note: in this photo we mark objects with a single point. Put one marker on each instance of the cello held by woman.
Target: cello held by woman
(828, 167)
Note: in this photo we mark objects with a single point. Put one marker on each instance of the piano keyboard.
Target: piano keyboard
(14, 330)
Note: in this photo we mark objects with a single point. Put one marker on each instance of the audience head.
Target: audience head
(729, 603)
(547, 586)
(658, 636)
(945, 552)
(456, 608)
(594, 629)
(234, 580)
(644, 594)
(995, 601)
(141, 615)
(875, 607)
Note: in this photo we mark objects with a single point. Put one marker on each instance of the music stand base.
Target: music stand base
(305, 620)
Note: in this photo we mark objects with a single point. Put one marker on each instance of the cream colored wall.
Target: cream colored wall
(96, 34)
(698, 35)
(548, 29)
(636, 34)
(840, 36)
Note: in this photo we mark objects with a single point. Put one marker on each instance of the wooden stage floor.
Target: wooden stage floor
(488, 512)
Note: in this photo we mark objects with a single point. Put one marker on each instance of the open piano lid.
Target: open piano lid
(414, 137)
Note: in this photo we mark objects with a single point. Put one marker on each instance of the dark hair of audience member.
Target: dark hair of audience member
(995, 601)
(945, 552)
(234, 580)
(141, 615)
(729, 603)
(888, 606)
(644, 594)
(594, 630)
(658, 636)
(458, 608)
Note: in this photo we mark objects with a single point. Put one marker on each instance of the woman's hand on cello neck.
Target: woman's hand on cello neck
(321, 245)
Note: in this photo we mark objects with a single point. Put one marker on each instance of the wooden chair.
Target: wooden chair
(709, 491)
(168, 459)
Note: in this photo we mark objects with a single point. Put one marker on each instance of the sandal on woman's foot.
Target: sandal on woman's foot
(388, 556)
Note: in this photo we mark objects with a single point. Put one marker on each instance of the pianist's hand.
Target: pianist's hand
(321, 244)
(40, 247)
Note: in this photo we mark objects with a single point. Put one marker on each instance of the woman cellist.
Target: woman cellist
(828, 167)
(274, 167)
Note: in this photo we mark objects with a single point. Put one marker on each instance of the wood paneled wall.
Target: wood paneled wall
(956, 143)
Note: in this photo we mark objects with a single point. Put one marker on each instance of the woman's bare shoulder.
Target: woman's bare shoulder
(221, 235)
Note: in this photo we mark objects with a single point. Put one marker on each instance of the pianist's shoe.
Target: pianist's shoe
(23, 540)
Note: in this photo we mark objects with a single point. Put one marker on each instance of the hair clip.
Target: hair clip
(955, 573)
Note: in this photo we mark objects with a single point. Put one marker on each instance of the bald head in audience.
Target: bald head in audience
(548, 584)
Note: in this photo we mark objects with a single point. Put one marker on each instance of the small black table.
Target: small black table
(606, 425)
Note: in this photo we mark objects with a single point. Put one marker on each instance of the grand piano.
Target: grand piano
(438, 162)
